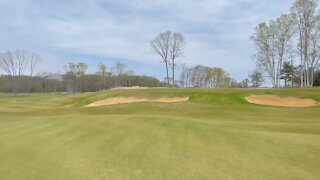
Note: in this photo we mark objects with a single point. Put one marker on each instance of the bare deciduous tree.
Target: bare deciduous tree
(314, 49)
(265, 56)
(177, 46)
(202, 76)
(118, 70)
(169, 46)
(102, 71)
(161, 46)
(273, 42)
(74, 76)
(184, 76)
(8, 64)
(34, 60)
(284, 31)
(81, 71)
(305, 13)
(15, 63)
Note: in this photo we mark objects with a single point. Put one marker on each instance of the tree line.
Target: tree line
(20, 66)
(203, 76)
(282, 42)
(16, 63)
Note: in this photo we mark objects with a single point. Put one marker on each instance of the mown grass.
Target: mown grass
(216, 135)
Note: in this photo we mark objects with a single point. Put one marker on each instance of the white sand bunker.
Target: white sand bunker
(126, 100)
(273, 100)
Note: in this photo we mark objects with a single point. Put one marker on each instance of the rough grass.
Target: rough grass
(216, 135)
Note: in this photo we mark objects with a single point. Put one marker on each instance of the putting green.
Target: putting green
(217, 134)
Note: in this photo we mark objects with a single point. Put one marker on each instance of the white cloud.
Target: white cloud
(217, 31)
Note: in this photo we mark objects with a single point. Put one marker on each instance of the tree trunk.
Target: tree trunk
(308, 74)
(173, 73)
(301, 71)
(167, 74)
(312, 76)
(285, 82)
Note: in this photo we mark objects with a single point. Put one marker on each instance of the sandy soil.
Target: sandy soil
(273, 100)
(133, 87)
(125, 100)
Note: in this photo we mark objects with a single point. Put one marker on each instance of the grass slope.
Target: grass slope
(217, 135)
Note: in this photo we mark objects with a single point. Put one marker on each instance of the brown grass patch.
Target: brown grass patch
(126, 100)
(273, 100)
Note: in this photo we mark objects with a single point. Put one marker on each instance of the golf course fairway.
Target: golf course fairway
(216, 134)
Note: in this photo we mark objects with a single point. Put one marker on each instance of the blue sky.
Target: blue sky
(61, 31)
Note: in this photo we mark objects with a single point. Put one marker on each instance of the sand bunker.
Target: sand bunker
(132, 87)
(273, 100)
(125, 100)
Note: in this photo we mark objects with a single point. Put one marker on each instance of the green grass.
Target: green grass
(216, 135)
